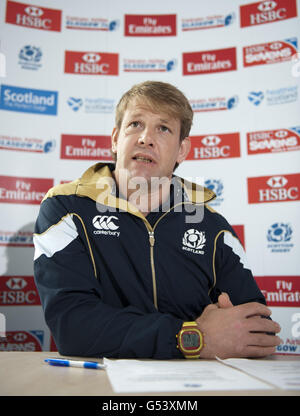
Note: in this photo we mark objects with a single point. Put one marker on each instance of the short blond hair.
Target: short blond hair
(159, 96)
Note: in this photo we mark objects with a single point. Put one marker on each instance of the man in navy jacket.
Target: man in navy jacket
(131, 262)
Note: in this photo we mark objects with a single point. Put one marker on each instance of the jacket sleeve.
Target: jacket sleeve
(80, 322)
(232, 271)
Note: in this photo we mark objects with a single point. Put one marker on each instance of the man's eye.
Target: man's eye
(164, 128)
(135, 124)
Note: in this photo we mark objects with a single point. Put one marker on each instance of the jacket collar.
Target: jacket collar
(98, 184)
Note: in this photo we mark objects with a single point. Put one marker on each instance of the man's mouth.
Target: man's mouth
(145, 159)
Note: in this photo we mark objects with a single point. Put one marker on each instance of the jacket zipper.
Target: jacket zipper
(152, 242)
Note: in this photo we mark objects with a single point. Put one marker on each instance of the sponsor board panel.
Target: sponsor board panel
(208, 22)
(91, 63)
(34, 17)
(240, 232)
(262, 12)
(206, 62)
(269, 53)
(21, 190)
(271, 141)
(289, 320)
(275, 188)
(217, 103)
(283, 291)
(22, 340)
(218, 146)
(274, 97)
(149, 65)
(27, 144)
(80, 147)
(91, 23)
(28, 100)
(150, 25)
(18, 291)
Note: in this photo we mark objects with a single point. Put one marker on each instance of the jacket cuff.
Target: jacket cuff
(177, 324)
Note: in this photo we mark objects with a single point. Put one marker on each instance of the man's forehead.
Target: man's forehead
(138, 107)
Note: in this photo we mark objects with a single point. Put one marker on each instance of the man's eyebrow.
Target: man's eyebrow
(133, 115)
(167, 121)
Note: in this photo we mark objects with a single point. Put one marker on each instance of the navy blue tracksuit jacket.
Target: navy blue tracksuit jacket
(114, 283)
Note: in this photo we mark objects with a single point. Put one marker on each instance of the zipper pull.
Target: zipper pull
(151, 238)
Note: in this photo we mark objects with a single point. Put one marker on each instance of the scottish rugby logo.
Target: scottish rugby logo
(194, 241)
(279, 236)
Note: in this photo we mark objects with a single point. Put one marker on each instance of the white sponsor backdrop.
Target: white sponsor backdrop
(84, 107)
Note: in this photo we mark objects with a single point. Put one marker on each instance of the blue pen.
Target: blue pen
(73, 363)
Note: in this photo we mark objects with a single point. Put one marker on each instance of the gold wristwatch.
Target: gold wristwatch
(190, 340)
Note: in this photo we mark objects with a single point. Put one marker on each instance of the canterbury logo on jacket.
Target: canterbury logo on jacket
(114, 283)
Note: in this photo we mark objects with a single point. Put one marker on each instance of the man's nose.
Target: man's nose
(147, 138)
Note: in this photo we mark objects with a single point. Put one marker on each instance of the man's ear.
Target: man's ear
(185, 147)
(114, 140)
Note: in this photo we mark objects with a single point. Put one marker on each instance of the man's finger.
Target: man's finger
(224, 301)
(263, 340)
(254, 351)
(254, 308)
(257, 324)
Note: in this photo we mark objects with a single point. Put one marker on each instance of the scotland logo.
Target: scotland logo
(217, 187)
(194, 240)
(30, 57)
(255, 97)
(279, 235)
(75, 103)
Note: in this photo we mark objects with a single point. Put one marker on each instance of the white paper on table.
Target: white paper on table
(282, 374)
(165, 376)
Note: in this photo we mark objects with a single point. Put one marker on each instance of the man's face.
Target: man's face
(148, 144)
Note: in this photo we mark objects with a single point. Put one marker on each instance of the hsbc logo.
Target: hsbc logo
(265, 6)
(16, 283)
(23, 341)
(267, 12)
(19, 336)
(18, 291)
(106, 225)
(34, 11)
(211, 140)
(273, 141)
(276, 45)
(281, 134)
(215, 146)
(277, 181)
(35, 17)
(91, 63)
(91, 57)
(277, 188)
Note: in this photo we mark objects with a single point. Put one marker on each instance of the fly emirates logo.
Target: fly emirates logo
(85, 147)
(150, 25)
(23, 190)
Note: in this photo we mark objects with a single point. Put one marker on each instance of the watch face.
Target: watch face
(190, 340)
